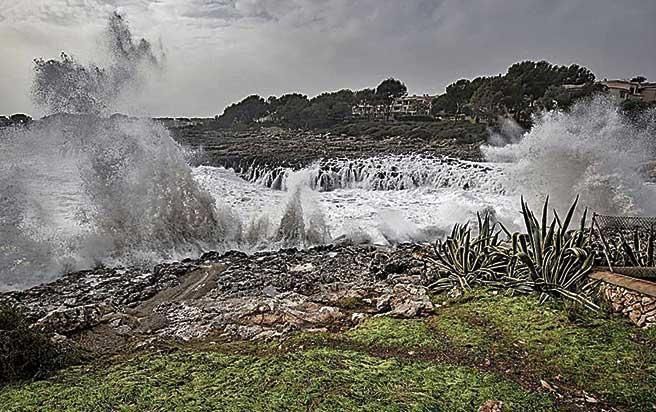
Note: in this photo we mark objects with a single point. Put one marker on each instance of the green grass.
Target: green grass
(402, 334)
(608, 357)
(435, 363)
(319, 379)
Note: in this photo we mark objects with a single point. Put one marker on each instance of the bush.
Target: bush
(27, 353)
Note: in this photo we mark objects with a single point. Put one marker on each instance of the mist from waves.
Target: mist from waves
(593, 150)
(67, 86)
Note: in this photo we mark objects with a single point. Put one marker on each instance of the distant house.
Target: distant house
(404, 106)
(627, 90)
(369, 111)
(412, 105)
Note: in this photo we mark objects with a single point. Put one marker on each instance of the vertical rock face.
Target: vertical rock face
(638, 307)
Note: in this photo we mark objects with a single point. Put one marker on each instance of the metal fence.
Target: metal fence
(628, 244)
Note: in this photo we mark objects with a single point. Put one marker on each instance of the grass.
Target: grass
(605, 356)
(476, 348)
(319, 379)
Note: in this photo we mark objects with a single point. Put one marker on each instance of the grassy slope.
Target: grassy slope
(482, 347)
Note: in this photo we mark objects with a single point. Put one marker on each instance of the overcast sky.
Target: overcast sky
(218, 51)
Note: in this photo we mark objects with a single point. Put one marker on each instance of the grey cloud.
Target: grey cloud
(220, 51)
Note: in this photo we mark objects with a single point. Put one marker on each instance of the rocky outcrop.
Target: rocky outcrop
(233, 295)
(275, 147)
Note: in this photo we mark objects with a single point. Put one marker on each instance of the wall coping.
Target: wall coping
(639, 285)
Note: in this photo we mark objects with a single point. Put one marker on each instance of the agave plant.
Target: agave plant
(552, 259)
(637, 251)
(549, 258)
(464, 259)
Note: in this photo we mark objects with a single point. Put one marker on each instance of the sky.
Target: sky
(219, 51)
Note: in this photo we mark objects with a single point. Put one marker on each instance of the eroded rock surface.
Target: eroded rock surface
(233, 295)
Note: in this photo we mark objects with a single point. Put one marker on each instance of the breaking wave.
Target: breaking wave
(385, 173)
(594, 151)
(67, 86)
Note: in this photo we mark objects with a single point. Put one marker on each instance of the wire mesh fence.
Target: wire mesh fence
(627, 244)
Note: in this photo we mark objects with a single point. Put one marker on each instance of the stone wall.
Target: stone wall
(637, 306)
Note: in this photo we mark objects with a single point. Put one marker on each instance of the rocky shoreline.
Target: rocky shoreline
(234, 296)
(277, 147)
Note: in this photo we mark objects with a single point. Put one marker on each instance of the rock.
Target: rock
(270, 291)
(408, 301)
(357, 318)
(302, 268)
(233, 294)
(491, 406)
(73, 319)
(56, 338)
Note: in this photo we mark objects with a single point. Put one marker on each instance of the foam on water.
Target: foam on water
(384, 173)
(382, 216)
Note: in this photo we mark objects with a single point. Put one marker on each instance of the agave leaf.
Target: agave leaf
(636, 246)
(568, 218)
(650, 249)
(545, 207)
(505, 230)
(629, 253)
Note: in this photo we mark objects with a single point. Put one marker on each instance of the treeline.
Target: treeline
(296, 110)
(15, 120)
(524, 89)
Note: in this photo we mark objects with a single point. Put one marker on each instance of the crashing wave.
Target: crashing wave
(593, 150)
(385, 173)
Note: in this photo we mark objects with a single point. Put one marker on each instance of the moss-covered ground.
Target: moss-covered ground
(532, 357)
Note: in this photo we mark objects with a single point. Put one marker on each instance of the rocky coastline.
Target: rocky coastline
(277, 147)
(234, 295)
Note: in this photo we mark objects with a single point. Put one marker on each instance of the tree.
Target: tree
(639, 79)
(365, 96)
(20, 118)
(390, 89)
(246, 111)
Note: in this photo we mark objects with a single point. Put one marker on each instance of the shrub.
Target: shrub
(27, 353)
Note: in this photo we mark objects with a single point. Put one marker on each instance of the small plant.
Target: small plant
(464, 260)
(26, 353)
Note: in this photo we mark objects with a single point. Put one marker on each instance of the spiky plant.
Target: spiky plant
(549, 258)
(552, 259)
(637, 251)
(465, 259)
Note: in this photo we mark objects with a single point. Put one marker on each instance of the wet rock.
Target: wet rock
(234, 294)
(74, 319)
(406, 301)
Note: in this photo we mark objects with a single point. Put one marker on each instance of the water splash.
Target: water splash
(593, 150)
(384, 173)
(66, 86)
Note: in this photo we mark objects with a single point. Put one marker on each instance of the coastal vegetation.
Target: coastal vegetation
(516, 326)
(478, 347)
(526, 88)
(550, 259)
(26, 352)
